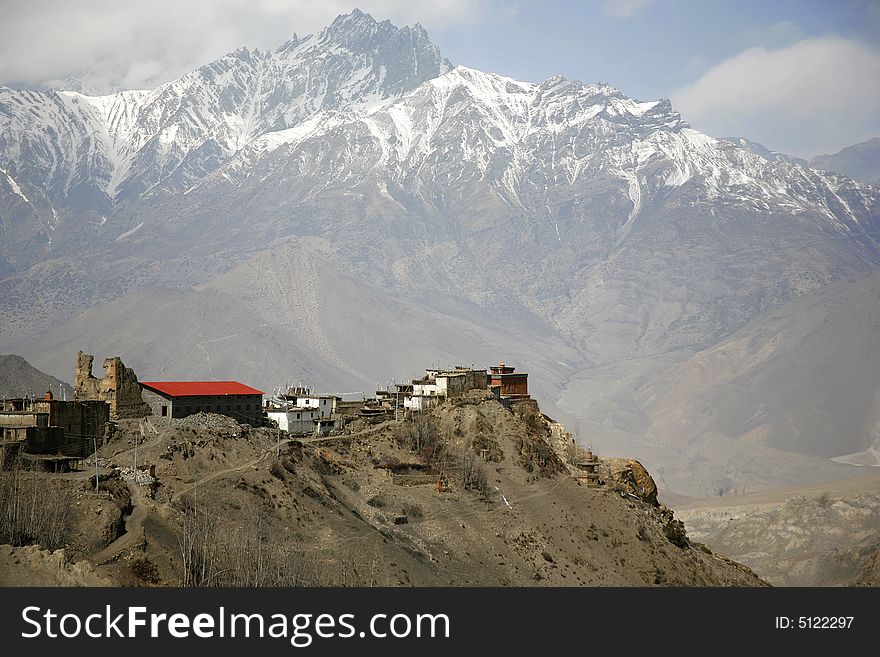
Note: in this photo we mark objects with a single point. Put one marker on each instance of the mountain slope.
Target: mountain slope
(19, 378)
(575, 183)
(823, 535)
(860, 161)
(290, 314)
(78, 157)
(802, 378)
(361, 508)
(595, 239)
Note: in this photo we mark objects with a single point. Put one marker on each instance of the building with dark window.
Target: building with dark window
(181, 398)
(512, 384)
(51, 428)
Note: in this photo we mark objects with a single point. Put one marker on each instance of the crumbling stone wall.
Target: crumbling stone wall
(119, 387)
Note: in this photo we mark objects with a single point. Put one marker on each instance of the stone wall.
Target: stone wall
(52, 426)
(119, 387)
(156, 401)
(85, 421)
(456, 384)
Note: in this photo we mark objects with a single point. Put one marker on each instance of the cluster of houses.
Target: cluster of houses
(504, 382)
(56, 433)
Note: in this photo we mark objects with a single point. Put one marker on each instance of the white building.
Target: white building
(322, 403)
(295, 420)
(425, 395)
(438, 385)
(302, 397)
(421, 402)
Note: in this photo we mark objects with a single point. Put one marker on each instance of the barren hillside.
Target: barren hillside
(19, 378)
(231, 505)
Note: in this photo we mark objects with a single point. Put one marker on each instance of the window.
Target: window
(164, 410)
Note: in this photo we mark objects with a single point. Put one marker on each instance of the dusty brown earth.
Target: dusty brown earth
(32, 566)
(364, 509)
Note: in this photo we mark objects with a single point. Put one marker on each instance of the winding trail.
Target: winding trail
(134, 525)
(226, 471)
(244, 466)
(134, 529)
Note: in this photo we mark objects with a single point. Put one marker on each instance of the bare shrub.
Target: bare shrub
(145, 570)
(420, 435)
(243, 555)
(472, 472)
(33, 510)
(251, 558)
(198, 545)
(277, 470)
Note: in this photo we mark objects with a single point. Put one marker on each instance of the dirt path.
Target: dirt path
(134, 529)
(244, 466)
(226, 471)
(134, 525)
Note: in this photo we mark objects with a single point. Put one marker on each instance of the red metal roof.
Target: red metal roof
(200, 388)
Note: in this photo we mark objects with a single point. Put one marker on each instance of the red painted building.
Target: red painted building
(512, 383)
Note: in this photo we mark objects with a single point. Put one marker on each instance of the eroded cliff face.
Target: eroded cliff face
(625, 475)
(870, 575)
(119, 387)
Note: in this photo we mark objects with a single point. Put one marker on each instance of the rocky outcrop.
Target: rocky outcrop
(119, 387)
(631, 477)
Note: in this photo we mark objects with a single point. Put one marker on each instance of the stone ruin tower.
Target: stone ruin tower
(119, 387)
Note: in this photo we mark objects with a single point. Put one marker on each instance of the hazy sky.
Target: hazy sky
(800, 76)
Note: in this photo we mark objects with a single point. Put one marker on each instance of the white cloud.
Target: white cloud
(140, 44)
(814, 96)
(625, 8)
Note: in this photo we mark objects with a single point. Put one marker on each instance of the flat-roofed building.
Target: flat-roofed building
(176, 399)
(512, 384)
(52, 426)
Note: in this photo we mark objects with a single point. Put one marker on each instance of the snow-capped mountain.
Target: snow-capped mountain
(527, 141)
(79, 150)
(592, 229)
(576, 183)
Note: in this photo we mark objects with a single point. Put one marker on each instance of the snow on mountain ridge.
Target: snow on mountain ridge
(403, 113)
(131, 142)
(512, 133)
